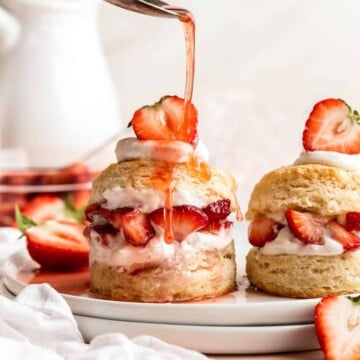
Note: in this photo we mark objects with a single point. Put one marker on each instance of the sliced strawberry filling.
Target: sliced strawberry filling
(262, 230)
(308, 228)
(185, 220)
(138, 227)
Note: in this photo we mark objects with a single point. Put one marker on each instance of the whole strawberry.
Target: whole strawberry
(337, 323)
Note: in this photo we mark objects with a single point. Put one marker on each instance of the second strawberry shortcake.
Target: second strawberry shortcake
(305, 218)
(159, 226)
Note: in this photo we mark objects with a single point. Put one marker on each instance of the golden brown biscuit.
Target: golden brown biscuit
(320, 189)
(304, 276)
(141, 174)
(207, 273)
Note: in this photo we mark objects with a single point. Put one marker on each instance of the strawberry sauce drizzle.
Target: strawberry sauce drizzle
(188, 21)
(200, 169)
(162, 180)
(189, 28)
(165, 181)
(168, 215)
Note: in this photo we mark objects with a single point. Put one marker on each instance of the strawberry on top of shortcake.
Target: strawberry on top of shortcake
(331, 138)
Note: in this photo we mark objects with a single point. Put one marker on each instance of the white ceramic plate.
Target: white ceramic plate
(207, 339)
(243, 307)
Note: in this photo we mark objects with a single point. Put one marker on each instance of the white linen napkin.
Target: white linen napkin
(39, 324)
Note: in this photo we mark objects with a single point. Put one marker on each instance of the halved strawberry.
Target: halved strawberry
(45, 207)
(58, 244)
(215, 226)
(348, 240)
(186, 219)
(166, 120)
(262, 230)
(51, 207)
(332, 126)
(305, 226)
(218, 210)
(352, 221)
(337, 324)
(137, 227)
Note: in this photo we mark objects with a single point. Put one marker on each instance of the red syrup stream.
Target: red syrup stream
(164, 182)
(188, 22)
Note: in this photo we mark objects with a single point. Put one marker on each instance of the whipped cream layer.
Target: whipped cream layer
(148, 200)
(172, 151)
(330, 158)
(286, 243)
(127, 257)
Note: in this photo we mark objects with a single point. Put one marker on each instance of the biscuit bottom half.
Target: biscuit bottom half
(304, 276)
(205, 274)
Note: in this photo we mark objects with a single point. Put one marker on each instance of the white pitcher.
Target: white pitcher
(57, 101)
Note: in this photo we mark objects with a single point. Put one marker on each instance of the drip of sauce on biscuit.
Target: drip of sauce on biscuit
(166, 182)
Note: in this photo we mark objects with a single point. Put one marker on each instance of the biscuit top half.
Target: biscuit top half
(319, 189)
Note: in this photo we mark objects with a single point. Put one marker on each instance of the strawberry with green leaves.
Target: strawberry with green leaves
(337, 324)
(55, 244)
(332, 126)
(51, 207)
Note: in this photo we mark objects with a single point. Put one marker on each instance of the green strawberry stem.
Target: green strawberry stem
(72, 211)
(23, 221)
(354, 115)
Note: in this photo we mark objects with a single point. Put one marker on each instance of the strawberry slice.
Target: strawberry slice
(137, 227)
(262, 230)
(115, 217)
(185, 219)
(352, 221)
(58, 244)
(96, 209)
(332, 126)
(218, 210)
(306, 227)
(348, 240)
(166, 120)
(215, 226)
(337, 324)
(105, 231)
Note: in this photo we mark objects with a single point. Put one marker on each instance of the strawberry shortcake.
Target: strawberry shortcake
(159, 219)
(305, 218)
